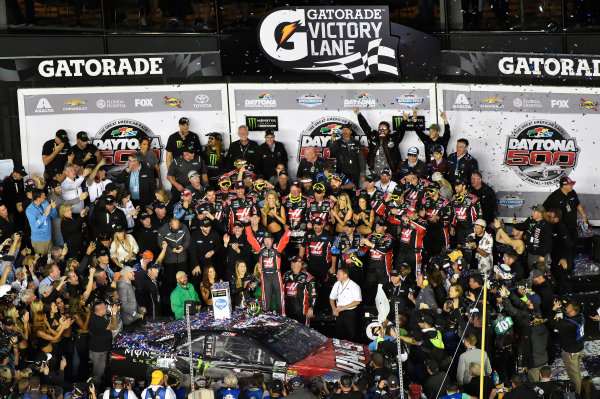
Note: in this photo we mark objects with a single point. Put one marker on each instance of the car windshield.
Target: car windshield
(293, 341)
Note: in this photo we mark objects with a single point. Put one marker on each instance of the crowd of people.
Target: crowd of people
(87, 252)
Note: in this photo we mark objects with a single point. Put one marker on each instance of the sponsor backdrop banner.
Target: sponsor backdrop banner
(113, 117)
(306, 114)
(527, 138)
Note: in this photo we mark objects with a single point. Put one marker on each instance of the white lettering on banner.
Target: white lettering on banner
(101, 67)
(549, 66)
(348, 356)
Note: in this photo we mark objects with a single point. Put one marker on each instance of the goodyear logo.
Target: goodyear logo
(173, 102)
(587, 104)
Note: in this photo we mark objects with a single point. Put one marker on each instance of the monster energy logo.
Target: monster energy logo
(252, 123)
(259, 123)
(410, 125)
(212, 158)
(396, 121)
(179, 143)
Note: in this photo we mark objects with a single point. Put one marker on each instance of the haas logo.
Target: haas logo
(461, 214)
(316, 248)
(406, 233)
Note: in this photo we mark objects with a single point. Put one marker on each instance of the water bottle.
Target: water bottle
(496, 378)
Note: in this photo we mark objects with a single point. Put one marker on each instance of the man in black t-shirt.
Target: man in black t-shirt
(84, 150)
(101, 337)
(566, 199)
(181, 139)
(55, 152)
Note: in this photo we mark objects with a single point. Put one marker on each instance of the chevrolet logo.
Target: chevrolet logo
(492, 100)
(75, 102)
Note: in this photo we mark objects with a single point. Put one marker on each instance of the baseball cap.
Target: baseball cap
(148, 254)
(438, 148)
(535, 273)
(157, 375)
(186, 192)
(392, 381)
(109, 200)
(386, 171)
(239, 184)
(413, 151)
(20, 169)
(247, 175)
(216, 135)
(283, 172)
(268, 234)
(62, 135)
(156, 204)
(205, 223)
(535, 299)
(350, 223)
(127, 270)
(434, 126)
(433, 186)
(110, 187)
(460, 181)
(425, 318)
(295, 183)
(346, 381)
(277, 386)
(318, 221)
(180, 274)
(238, 223)
(372, 177)
(346, 126)
(539, 208)
(296, 382)
(118, 380)
(81, 388)
(154, 266)
(405, 265)
(295, 259)
(567, 181)
(414, 392)
(395, 273)
(481, 222)
(184, 121)
(454, 255)
(82, 136)
(269, 132)
(189, 148)
(101, 252)
(143, 215)
(193, 173)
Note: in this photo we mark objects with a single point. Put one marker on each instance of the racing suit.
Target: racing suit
(297, 213)
(349, 251)
(437, 231)
(270, 269)
(320, 209)
(380, 262)
(411, 237)
(317, 253)
(466, 212)
(237, 208)
(413, 195)
(300, 295)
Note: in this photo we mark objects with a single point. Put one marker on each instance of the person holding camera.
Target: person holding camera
(158, 388)
(121, 389)
(571, 338)
(345, 389)
(481, 244)
(101, 337)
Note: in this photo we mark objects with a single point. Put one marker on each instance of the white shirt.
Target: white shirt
(345, 294)
(388, 189)
(71, 189)
(97, 188)
(169, 394)
(485, 244)
(130, 394)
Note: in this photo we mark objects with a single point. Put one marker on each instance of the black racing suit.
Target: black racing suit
(437, 231)
(300, 295)
(270, 266)
(320, 209)
(297, 214)
(238, 208)
(380, 263)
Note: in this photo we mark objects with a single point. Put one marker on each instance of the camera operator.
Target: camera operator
(481, 243)
(101, 337)
(121, 389)
(158, 387)
(571, 338)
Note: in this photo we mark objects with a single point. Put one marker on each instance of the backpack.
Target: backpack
(150, 394)
(579, 329)
(121, 395)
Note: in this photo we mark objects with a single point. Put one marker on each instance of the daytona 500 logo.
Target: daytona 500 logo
(541, 152)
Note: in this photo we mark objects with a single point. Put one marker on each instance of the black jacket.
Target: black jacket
(429, 144)
(349, 158)
(147, 294)
(311, 169)
(489, 205)
(460, 168)
(200, 244)
(562, 244)
(268, 159)
(147, 184)
(389, 143)
(249, 152)
(570, 331)
(106, 222)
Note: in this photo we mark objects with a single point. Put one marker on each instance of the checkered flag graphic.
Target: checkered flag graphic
(357, 66)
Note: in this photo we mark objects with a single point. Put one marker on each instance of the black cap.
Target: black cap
(392, 381)
(433, 185)
(438, 148)
(29, 188)
(82, 136)
(189, 148)
(277, 386)
(154, 266)
(20, 169)
(295, 259)
(80, 389)
(104, 236)
(109, 200)
(62, 135)
(101, 252)
(205, 223)
(52, 184)
(346, 126)
(268, 234)
(269, 132)
(350, 223)
(239, 184)
(184, 121)
(346, 381)
(216, 135)
(110, 187)
(119, 228)
(395, 272)
(460, 181)
(238, 223)
(118, 380)
(296, 382)
(382, 222)
(143, 215)
(156, 204)
(283, 172)
(386, 171)
(405, 265)
(425, 318)
(372, 177)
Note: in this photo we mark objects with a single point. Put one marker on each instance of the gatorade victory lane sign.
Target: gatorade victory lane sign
(349, 42)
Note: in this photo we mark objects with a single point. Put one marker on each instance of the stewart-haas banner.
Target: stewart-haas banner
(87, 68)
(527, 138)
(114, 118)
(309, 114)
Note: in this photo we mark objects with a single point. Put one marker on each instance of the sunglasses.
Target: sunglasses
(225, 184)
(383, 128)
(211, 138)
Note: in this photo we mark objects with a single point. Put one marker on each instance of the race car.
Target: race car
(278, 347)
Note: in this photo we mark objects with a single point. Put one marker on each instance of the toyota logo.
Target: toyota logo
(201, 99)
(100, 103)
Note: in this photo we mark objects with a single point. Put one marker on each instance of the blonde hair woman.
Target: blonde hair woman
(446, 189)
(123, 248)
(272, 213)
(44, 335)
(342, 212)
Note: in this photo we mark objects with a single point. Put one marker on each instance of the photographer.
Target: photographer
(346, 390)
(571, 337)
(481, 243)
(121, 389)
(158, 387)
(100, 336)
